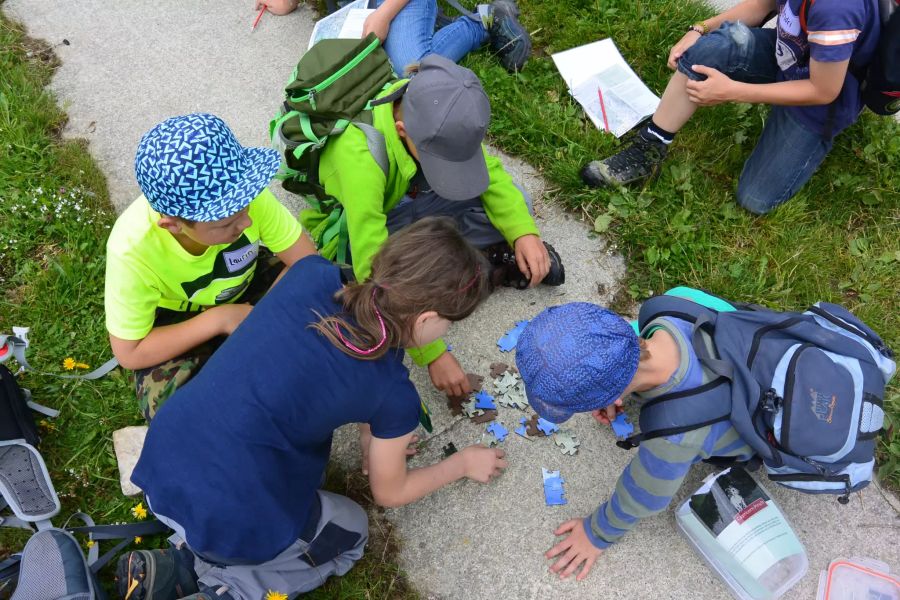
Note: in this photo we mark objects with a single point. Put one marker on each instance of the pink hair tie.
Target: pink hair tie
(383, 332)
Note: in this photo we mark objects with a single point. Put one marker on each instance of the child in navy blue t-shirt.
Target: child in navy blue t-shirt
(803, 68)
(234, 461)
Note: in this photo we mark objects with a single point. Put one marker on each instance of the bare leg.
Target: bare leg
(675, 108)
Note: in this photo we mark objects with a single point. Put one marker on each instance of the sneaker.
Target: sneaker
(508, 38)
(641, 159)
(506, 272)
(156, 574)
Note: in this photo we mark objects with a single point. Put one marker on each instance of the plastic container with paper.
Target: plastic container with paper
(743, 536)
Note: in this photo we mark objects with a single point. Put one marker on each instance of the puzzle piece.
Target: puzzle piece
(553, 488)
(521, 429)
(498, 430)
(490, 440)
(449, 449)
(455, 404)
(506, 381)
(546, 426)
(476, 382)
(514, 396)
(484, 401)
(509, 339)
(489, 415)
(531, 426)
(565, 439)
(468, 409)
(498, 369)
(622, 427)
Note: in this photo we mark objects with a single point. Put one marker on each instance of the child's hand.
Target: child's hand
(686, 41)
(532, 258)
(378, 23)
(231, 315)
(365, 438)
(277, 7)
(448, 376)
(607, 414)
(482, 464)
(576, 550)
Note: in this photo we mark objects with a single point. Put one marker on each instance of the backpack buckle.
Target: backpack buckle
(771, 401)
(627, 444)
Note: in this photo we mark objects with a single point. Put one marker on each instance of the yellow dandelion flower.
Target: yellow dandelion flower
(139, 511)
(273, 595)
(82, 366)
(90, 543)
(69, 364)
(139, 539)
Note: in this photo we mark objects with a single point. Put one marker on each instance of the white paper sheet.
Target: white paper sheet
(332, 26)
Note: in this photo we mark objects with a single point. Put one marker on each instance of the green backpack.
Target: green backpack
(335, 84)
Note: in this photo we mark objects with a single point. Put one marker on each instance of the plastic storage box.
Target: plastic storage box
(747, 541)
(858, 579)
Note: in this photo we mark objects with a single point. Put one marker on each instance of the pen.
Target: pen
(258, 17)
(603, 109)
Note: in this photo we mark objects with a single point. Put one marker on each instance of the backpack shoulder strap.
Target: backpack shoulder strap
(16, 345)
(377, 145)
(804, 10)
(671, 306)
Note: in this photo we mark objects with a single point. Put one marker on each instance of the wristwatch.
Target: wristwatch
(700, 27)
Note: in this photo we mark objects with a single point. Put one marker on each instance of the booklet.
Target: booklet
(598, 70)
(346, 23)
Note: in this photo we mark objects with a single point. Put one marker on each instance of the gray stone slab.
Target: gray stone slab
(131, 64)
(127, 444)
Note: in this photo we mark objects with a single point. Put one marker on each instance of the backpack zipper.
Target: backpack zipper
(878, 344)
(787, 397)
(757, 337)
(311, 92)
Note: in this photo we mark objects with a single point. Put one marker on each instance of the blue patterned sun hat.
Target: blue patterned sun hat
(576, 357)
(194, 168)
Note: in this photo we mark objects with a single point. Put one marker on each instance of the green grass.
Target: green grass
(55, 216)
(837, 240)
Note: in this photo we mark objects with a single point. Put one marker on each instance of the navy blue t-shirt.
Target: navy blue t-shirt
(836, 30)
(237, 454)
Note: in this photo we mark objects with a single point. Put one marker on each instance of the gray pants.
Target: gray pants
(469, 215)
(335, 544)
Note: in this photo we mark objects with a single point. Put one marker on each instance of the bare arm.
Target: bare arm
(394, 485)
(166, 342)
(749, 12)
(380, 20)
(302, 247)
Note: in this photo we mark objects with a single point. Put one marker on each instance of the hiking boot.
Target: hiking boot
(641, 159)
(156, 574)
(506, 272)
(508, 38)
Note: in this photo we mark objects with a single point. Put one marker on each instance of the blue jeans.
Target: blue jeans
(787, 153)
(412, 36)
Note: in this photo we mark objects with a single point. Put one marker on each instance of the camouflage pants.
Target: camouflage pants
(154, 385)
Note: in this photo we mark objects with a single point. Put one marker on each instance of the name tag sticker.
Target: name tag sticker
(240, 258)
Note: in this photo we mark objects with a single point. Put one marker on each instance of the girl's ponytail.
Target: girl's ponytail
(426, 266)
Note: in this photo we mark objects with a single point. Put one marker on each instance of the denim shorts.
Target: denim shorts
(787, 153)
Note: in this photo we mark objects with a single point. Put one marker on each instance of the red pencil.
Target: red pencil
(258, 17)
(603, 108)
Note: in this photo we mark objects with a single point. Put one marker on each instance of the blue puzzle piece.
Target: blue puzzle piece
(553, 488)
(521, 429)
(554, 498)
(500, 432)
(484, 401)
(546, 426)
(621, 427)
(509, 339)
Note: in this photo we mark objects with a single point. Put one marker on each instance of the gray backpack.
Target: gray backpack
(805, 391)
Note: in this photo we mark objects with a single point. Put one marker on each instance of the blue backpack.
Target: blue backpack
(805, 391)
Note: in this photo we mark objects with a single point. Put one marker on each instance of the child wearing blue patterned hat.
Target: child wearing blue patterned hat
(185, 259)
(580, 357)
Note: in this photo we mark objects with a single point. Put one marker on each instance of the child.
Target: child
(407, 28)
(234, 461)
(433, 126)
(181, 261)
(804, 68)
(580, 357)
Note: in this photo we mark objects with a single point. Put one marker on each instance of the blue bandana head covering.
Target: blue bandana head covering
(194, 168)
(576, 357)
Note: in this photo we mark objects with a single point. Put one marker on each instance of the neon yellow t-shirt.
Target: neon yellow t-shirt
(147, 268)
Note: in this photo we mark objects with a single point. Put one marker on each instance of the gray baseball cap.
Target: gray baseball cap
(446, 114)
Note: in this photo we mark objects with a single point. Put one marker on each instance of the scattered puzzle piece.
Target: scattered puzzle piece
(531, 426)
(489, 415)
(449, 449)
(476, 382)
(521, 429)
(546, 426)
(468, 409)
(455, 404)
(498, 430)
(509, 339)
(621, 426)
(490, 440)
(565, 439)
(484, 401)
(498, 369)
(553, 487)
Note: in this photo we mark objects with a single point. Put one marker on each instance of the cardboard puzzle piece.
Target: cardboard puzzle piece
(498, 430)
(488, 416)
(531, 427)
(455, 404)
(566, 441)
(476, 382)
(490, 440)
(505, 381)
(484, 401)
(449, 450)
(514, 397)
(622, 427)
(498, 369)
(522, 428)
(553, 487)
(509, 339)
(546, 426)
(468, 409)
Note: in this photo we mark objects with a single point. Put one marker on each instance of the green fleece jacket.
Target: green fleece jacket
(349, 173)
